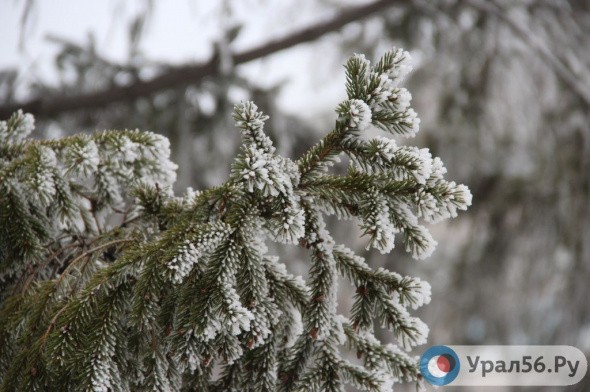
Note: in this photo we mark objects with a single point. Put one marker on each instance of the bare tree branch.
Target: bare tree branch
(50, 106)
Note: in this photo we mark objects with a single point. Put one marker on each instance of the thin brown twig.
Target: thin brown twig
(46, 261)
(88, 253)
(64, 273)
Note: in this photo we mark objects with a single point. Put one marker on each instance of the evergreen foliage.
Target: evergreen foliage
(111, 283)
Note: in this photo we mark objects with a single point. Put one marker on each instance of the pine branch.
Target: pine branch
(189, 287)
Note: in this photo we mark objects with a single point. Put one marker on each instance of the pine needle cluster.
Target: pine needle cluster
(109, 282)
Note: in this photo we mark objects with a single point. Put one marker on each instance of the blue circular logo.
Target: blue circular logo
(439, 365)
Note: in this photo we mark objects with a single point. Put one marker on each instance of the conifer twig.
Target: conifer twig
(87, 253)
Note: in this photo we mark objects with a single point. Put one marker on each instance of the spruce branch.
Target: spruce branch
(184, 287)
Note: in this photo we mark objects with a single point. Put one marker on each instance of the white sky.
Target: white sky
(181, 31)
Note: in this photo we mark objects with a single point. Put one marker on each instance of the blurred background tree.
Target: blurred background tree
(502, 87)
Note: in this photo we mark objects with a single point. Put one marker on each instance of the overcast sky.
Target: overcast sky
(181, 31)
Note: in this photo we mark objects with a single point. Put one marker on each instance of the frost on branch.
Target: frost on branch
(16, 129)
(68, 186)
(111, 283)
(358, 112)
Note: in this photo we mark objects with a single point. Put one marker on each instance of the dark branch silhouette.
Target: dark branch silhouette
(50, 106)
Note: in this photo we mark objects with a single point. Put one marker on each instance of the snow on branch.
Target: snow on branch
(110, 282)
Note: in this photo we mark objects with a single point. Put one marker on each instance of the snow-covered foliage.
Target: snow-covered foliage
(178, 289)
(68, 187)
